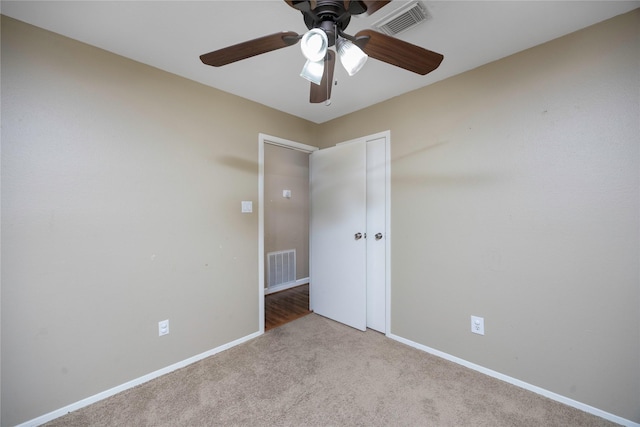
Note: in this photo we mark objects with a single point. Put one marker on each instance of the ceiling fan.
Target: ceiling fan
(327, 21)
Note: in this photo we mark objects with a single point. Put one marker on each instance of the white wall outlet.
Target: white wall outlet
(163, 327)
(286, 194)
(477, 325)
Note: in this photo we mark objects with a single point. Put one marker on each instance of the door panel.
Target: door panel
(338, 211)
(376, 234)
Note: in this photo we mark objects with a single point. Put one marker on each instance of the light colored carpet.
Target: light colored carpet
(316, 372)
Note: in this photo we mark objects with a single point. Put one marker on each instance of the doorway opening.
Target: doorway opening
(322, 295)
(282, 236)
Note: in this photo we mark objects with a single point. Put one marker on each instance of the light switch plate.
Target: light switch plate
(247, 206)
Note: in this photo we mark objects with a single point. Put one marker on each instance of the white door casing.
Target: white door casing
(377, 292)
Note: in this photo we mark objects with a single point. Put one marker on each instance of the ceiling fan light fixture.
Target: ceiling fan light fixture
(313, 71)
(314, 44)
(351, 56)
(327, 21)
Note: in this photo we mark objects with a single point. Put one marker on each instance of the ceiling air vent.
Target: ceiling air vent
(403, 18)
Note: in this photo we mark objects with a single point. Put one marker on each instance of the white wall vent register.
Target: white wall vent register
(403, 18)
(281, 268)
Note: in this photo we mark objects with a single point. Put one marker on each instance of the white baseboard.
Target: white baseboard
(115, 390)
(538, 390)
(285, 286)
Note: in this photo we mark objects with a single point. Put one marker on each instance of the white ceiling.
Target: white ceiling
(171, 35)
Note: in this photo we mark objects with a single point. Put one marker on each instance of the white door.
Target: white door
(376, 234)
(338, 224)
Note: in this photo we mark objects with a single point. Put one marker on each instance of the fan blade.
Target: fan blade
(250, 48)
(302, 5)
(355, 7)
(322, 92)
(398, 52)
(374, 5)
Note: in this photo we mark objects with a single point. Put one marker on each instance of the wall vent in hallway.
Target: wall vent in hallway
(281, 267)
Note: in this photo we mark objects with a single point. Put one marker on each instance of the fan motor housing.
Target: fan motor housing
(330, 13)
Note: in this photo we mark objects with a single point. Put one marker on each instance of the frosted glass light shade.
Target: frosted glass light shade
(351, 56)
(314, 44)
(313, 71)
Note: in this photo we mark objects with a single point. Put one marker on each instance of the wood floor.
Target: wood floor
(284, 306)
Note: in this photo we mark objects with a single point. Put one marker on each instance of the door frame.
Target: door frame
(387, 135)
(274, 140)
(281, 142)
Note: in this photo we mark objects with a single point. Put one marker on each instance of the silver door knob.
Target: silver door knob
(358, 236)
(378, 236)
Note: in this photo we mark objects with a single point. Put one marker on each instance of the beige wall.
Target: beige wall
(514, 194)
(514, 197)
(286, 221)
(121, 191)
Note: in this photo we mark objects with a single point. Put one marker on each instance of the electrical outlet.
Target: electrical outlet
(477, 325)
(163, 327)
